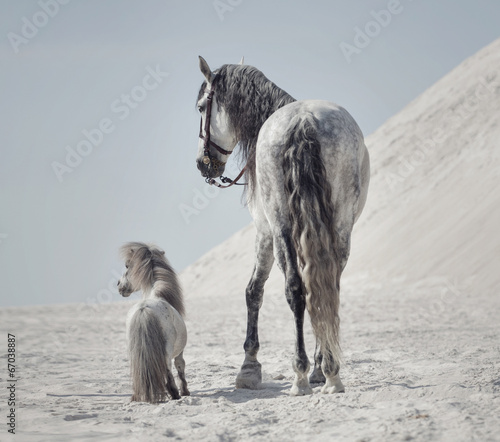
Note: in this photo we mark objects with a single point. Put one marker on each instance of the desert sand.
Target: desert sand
(419, 311)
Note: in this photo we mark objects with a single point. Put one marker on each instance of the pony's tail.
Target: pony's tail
(148, 358)
(313, 233)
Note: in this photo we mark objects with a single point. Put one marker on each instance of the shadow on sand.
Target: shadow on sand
(267, 390)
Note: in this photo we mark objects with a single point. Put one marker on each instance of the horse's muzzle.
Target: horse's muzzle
(213, 169)
(124, 293)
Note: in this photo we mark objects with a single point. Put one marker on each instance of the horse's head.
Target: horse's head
(124, 286)
(217, 138)
(139, 259)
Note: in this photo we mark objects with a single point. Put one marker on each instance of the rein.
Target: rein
(208, 159)
(225, 179)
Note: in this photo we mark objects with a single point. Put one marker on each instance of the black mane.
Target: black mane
(249, 98)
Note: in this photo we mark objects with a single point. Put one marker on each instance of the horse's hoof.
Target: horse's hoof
(248, 383)
(300, 391)
(300, 387)
(333, 386)
(317, 377)
(332, 390)
(185, 392)
(250, 375)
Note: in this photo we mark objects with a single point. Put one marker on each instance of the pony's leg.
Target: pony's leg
(317, 376)
(171, 387)
(250, 375)
(180, 366)
(295, 296)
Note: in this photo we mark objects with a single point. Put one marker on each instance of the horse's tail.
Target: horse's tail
(148, 356)
(313, 233)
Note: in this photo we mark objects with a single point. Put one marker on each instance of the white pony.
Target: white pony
(307, 170)
(156, 332)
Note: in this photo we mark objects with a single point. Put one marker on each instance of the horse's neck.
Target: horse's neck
(147, 293)
(155, 291)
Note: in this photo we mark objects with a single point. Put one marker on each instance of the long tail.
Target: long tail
(147, 348)
(312, 218)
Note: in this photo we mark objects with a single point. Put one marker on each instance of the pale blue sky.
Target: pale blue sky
(73, 71)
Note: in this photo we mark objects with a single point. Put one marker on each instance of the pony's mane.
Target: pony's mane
(249, 99)
(148, 267)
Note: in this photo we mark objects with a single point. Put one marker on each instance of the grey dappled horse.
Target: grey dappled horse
(156, 332)
(307, 170)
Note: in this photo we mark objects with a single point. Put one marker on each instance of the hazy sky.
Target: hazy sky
(117, 80)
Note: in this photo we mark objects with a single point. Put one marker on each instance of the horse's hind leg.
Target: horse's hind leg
(329, 366)
(331, 370)
(317, 376)
(295, 296)
(171, 387)
(250, 375)
(180, 366)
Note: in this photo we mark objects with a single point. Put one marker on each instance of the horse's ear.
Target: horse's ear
(162, 252)
(242, 61)
(205, 70)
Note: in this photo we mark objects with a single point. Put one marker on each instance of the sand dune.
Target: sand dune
(419, 311)
(433, 206)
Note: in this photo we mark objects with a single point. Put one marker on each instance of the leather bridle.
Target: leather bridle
(207, 142)
(208, 159)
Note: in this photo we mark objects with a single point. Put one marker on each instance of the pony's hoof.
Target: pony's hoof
(317, 377)
(333, 386)
(185, 392)
(250, 376)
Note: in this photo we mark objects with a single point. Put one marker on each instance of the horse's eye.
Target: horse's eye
(200, 109)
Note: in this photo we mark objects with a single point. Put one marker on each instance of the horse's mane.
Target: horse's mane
(148, 267)
(249, 98)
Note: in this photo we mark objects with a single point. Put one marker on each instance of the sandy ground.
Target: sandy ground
(419, 312)
(421, 363)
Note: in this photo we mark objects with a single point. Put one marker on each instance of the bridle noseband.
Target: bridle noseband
(208, 159)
